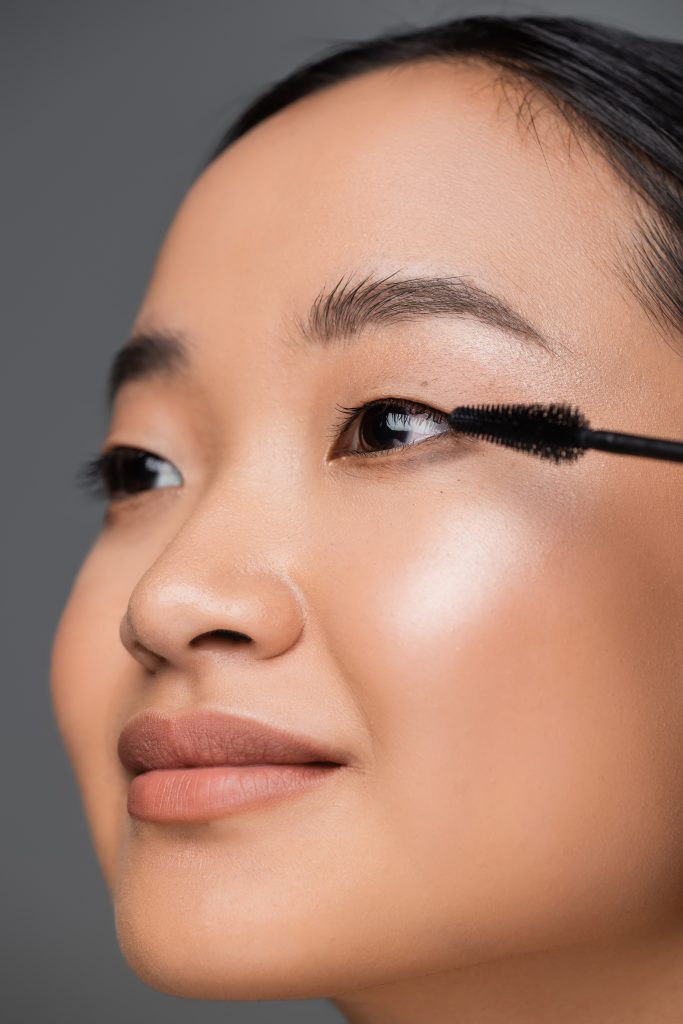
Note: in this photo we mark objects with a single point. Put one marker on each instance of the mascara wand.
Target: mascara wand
(554, 432)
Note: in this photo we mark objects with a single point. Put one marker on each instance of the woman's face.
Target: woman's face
(493, 639)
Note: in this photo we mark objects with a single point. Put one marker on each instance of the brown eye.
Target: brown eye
(385, 424)
(123, 471)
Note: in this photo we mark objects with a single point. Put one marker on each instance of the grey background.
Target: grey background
(108, 110)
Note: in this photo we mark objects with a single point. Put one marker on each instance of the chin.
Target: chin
(195, 950)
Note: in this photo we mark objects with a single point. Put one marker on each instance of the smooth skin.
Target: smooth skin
(495, 640)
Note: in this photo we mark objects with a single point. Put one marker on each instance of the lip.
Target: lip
(202, 794)
(206, 738)
(205, 764)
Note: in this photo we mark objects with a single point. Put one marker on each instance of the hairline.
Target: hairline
(636, 262)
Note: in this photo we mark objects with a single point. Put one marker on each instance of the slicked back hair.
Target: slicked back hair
(620, 90)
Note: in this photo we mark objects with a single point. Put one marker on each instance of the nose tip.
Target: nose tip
(176, 620)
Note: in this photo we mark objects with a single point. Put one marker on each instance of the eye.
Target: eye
(124, 471)
(383, 425)
(389, 423)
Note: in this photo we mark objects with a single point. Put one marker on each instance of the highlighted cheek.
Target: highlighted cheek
(428, 614)
(455, 577)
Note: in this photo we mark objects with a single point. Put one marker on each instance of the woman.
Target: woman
(475, 656)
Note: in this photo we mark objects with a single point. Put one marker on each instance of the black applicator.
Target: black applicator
(554, 432)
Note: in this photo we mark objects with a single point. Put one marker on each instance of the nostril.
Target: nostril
(229, 634)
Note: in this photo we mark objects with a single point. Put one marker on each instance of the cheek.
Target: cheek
(505, 670)
(429, 634)
(91, 684)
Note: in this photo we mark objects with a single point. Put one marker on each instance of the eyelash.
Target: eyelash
(92, 473)
(402, 404)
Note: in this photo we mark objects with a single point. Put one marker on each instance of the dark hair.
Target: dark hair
(622, 91)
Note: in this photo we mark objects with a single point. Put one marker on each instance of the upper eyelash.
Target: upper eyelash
(89, 475)
(405, 404)
(402, 403)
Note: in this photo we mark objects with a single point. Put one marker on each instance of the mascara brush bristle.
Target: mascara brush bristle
(550, 431)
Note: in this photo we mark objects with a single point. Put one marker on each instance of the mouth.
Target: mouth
(207, 764)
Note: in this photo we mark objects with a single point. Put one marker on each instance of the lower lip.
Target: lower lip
(200, 794)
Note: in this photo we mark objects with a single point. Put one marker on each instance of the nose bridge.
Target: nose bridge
(223, 581)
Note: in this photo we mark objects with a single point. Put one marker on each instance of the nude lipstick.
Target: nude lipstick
(208, 764)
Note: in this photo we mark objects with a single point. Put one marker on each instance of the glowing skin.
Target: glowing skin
(496, 639)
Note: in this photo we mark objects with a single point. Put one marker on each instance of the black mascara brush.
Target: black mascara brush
(554, 432)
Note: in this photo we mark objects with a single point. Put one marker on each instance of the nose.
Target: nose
(198, 601)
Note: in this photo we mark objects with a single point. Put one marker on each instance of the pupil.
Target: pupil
(377, 433)
(131, 472)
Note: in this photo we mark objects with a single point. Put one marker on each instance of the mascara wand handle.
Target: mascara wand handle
(632, 444)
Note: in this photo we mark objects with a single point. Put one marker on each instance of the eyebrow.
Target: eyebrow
(342, 314)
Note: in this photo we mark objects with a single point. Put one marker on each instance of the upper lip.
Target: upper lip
(205, 737)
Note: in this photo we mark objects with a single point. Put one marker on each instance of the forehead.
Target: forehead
(428, 167)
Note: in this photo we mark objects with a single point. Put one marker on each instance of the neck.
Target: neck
(640, 982)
